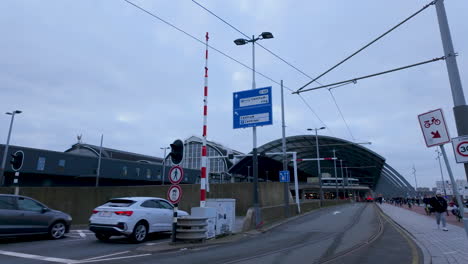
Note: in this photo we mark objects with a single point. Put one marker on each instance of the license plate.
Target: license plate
(106, 214)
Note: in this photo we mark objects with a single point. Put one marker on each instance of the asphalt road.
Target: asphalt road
(354, 233)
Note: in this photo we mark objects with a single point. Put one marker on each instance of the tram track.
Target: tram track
(328, 256)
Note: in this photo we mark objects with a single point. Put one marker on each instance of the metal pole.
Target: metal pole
(318, 167)
(415, 180)
(164, 167)
(346, 175)
(461, 206)
(285, 162)
(336, 175)
(441, 173)
(98, 173)
(254, 151)
(296, 184)
(2, 174)
(342, 179)
(460, 108)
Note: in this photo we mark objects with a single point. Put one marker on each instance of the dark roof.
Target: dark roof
(113, 153)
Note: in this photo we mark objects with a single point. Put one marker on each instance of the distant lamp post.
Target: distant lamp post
(164, 165)
(318, 162)
(2, 169)
(239, 42)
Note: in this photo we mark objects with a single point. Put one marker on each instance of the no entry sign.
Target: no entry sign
(460, 149)
(174, 194)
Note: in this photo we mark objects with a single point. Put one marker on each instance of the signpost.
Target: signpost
(460, 148)
(176, 174)
(433, 128)
(284, 176)
(252, 108)
(436, 134)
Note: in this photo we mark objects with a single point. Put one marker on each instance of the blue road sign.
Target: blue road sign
(252, 108)
(284, 176)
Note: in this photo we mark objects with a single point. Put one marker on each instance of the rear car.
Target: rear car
(133, 217)
(21, 215)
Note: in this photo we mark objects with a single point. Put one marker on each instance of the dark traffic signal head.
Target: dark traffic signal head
(17, 160)
(177, 152)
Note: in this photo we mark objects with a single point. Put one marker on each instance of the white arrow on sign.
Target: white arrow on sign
(433, 127)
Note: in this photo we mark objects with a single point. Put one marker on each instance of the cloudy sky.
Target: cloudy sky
(105, 67)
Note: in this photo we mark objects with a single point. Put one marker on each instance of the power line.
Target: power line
(334, 85)
(342, 117)
(202, 42)
(369, 44)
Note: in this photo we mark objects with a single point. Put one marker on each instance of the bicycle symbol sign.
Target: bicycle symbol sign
(433, 127)
(433, 121)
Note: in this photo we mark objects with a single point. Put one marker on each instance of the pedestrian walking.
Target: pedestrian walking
(439, 206)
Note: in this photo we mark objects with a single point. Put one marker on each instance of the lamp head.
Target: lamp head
(240, 41)
(266, 35)
(18, 112)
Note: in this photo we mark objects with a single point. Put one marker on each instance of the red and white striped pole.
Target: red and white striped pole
(204, 158)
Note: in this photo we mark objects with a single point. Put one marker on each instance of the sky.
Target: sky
(105, 67)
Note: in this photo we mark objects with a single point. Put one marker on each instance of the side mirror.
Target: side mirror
(45, 209)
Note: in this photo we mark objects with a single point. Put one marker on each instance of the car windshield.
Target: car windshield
(119, 203)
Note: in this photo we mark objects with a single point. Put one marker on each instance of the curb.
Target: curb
(427, 257)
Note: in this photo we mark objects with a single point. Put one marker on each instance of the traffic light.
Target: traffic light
(17, 160)
(177, 152)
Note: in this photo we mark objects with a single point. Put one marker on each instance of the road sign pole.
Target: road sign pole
(285, 163)
(336, 175)
(296, 184)
(460, 108)
(461, 206)
(174, 223)
(16, 182)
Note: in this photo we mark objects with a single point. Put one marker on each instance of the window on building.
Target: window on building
(61, 163)
(124, 170)
(148, 173)
(138, 172)
(41, 163)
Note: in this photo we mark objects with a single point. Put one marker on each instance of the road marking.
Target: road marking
(118, 253)
(107, 259)
(80, 232)
(37, 257)
(336, 212)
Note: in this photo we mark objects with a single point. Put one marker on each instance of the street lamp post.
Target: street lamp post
(164, 165)
(2, 169)
(336, 175)
(342, 179)
(241, 41)
(318, 162)
(441, 173)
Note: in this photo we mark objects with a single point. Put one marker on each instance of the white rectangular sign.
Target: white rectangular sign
(433, 127)
(460, 148)
(255, 100)
(255, 118)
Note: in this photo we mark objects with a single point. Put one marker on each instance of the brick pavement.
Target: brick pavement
(443, 247)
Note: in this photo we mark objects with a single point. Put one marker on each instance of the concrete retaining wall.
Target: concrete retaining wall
(80, 201)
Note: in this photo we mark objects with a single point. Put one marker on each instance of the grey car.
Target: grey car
(21, 215)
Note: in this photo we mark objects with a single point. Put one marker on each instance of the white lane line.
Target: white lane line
(336, 212)
(118, 253)
(37, 257)
(152, 244)
(107, 259)
(80, 232)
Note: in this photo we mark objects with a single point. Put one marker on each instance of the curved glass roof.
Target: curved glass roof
(357, 162)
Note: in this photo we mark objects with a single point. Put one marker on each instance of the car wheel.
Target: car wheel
(57, 230)
(102, 237)
(139, 232)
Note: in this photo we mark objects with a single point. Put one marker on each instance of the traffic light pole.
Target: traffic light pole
(2, 169)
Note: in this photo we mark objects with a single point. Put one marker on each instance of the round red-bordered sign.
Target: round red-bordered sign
(174, 194)
(176, 174)
(466, 149)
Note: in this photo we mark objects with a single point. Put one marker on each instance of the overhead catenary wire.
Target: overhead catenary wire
(202, 42)
(367, 45)
(334, 85)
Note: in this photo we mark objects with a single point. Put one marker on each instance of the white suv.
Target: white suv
(133, 217)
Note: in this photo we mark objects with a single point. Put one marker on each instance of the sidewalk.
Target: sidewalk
(451, 219)
(443, 247)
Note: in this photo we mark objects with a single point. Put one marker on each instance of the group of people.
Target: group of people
(436, 204)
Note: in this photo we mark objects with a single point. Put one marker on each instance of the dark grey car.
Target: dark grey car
(21, 215)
